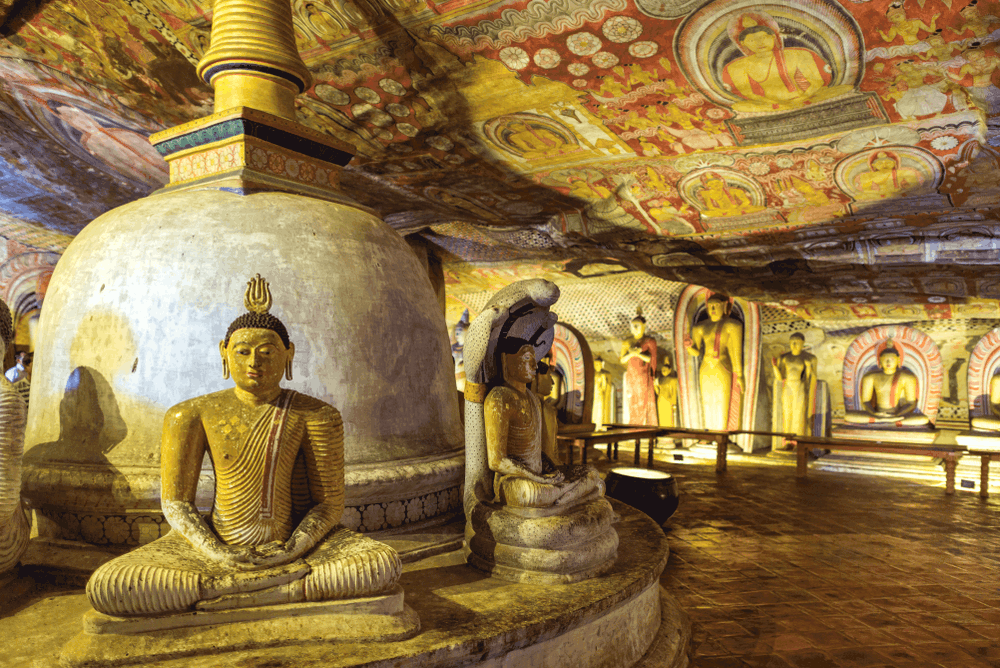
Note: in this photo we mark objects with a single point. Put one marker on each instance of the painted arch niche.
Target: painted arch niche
(918, 354)
(691, 309)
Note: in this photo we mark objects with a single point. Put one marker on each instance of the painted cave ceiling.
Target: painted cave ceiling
(790, 151)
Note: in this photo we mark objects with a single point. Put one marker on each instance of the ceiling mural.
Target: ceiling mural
(816, 152)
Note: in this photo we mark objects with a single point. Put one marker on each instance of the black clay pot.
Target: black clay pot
(653, 492)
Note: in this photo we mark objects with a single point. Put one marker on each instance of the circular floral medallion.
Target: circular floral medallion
(578, 69)
(514, 57)
(547, 58)
(621, 29)
(643, 49)
(784, 163)
(392, 87)
(944, 143)
(583, 43)
(758, 168)
(604, 59)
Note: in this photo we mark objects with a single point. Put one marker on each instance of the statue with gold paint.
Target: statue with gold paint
(14, 525)
(889, 394)
(527, 519)
(273, 535)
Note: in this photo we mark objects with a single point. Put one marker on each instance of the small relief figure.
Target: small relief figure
(795, 387)
(604, 393)
(905, 27)
(770, 77)
(666, 394)
(639, 357)
(889, 394)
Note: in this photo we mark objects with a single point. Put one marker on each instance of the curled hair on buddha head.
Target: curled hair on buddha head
(638, 316)
(6, 324)
(797, 335)
(717, 297)
(257, 301)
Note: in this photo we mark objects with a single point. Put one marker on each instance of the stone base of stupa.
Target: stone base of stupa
(622, 618)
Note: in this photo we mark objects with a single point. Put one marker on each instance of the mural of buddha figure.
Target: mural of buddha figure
(534, 141)
(885, 178)
(889, 394)
(990, 422)
(273, 534)
(719, 199)
(770, 77)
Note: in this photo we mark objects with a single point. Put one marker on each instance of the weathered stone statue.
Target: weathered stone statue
(992, 421)
(718, 342)
(795, 387)
(273, 535)
(527, 520)
(888, 395)
(666, 394)
(14, 526)
(604, 392)
(639, 357)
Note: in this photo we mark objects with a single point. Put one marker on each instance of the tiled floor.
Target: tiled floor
(839, 570)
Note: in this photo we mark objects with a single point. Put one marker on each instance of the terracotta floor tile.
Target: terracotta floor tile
(810, 659)
(837, 571)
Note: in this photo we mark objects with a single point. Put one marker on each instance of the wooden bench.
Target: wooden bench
(985, 457)
(611, 437)
(949, 453)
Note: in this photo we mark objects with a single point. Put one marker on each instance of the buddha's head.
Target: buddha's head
(256, 350)
(717, 305)
(598, 364)
(888, 361)
(638, 327)
(757, 39)
(795, 343)
(517, 359)
(884, 162)
(667, 367)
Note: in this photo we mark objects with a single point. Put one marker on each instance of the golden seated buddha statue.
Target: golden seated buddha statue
(528, 520)
(888, 395)
(273, 538)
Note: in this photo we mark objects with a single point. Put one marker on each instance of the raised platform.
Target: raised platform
(916, 435)
(622, 618)
(979, 440)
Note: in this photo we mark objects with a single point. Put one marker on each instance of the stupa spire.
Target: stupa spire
(252, 60)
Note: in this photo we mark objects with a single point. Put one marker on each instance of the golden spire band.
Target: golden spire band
(253, 61)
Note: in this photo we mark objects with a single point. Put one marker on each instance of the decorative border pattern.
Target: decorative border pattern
(132, 530)
(259, 157)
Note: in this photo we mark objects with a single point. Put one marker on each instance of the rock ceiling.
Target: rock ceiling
(799, 152)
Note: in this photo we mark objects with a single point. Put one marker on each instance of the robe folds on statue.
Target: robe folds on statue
(266, 479)
(638, 386)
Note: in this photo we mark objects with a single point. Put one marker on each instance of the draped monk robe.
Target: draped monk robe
(290, 459)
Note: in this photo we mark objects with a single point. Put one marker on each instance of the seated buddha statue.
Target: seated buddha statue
(273, 535)
(14, 526)
(888, 395)
(528, 520)
(990, 422)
